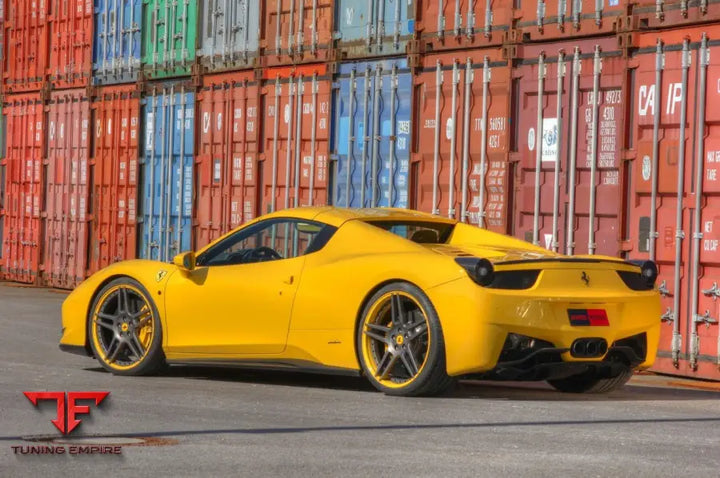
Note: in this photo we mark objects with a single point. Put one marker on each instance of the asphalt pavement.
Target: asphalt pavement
(229, 422)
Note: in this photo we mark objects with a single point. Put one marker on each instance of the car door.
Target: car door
(238, 300)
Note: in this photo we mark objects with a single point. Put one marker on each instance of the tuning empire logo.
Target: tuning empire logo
(66, 420)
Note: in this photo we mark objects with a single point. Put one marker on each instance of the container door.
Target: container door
(169, 36)
(229, 33)
(168, 174)
(377, 27)
(27, 35)
(71, 31)
(116, 49)
(372, 137)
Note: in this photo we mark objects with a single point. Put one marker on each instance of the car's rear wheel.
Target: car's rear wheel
(588, 383)
(124, 329)
(400, 342)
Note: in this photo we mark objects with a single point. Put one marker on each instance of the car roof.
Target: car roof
(336, 216)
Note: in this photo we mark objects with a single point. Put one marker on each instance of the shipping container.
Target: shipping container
(71, 43)
(373, 28)
(568, 137)
(297, 31)
(229, 34)
(114, 171)
(169, 34)
(445, 25)
(167, 170)
(372, 103)
(459, 167)
(117, 41)
(26, 32)
(24, 191)
(295, 109)
(227, 155)
(65, 240)
(547, 20)
(655, 14)
(674, 203)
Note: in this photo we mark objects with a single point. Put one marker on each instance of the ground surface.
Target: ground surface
(215, 422)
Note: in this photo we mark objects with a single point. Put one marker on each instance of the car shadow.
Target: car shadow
(636, 390)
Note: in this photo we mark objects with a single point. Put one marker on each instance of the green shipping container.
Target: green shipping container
(169, 37)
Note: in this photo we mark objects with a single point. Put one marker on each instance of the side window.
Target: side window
(269, 240)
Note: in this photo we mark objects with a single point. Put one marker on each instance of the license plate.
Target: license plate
(588, 317)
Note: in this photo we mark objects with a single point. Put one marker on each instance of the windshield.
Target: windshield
(417, 231)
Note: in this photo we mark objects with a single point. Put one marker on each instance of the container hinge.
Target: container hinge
(668, 316)
(713, 291)
(659, 9)
(684, 8)
(704, 319)
(703, 6)
(664, 291)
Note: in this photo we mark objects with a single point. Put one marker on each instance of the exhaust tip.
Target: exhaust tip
(589, 348)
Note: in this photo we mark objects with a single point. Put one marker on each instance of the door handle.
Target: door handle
(290, 280)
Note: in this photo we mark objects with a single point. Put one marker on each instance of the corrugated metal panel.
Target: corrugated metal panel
(71, 40)
(653, 14)
(22, 225)
(372, 116)
(545, 20)
(65, 243)
(450, 25)
(117, 41)
(228, 132)
(296, 122)
(462, 167)
(373, 27)
(26, 36)
(674, 209)
(229, 33)
(169, 34)
(297, 31)
(169, 123)
(113, 200)
(569, 184)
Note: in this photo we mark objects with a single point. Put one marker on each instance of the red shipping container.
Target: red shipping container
(24, 192)
(568, 139)
(71, 42)
(296, 31)
(674, 208)
(542, 20)
(296, 120)
(227, 155)
(114, 173)
(654, 14)
(65, 246)
(460, 168)
(26, 45)
(443, 25)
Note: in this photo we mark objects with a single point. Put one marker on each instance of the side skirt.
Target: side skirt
(303, 366)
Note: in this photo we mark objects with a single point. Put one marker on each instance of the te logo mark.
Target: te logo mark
(66, 420)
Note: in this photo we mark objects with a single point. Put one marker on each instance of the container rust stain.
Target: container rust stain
(226, 161)
(22, 224)
(114, 169)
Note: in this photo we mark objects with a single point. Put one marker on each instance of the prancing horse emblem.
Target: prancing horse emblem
(162, 273)
(585, 278)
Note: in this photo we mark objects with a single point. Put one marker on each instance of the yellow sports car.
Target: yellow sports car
(409, 300)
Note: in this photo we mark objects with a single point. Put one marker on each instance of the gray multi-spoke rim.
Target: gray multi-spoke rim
(119, 320)
(398, 339)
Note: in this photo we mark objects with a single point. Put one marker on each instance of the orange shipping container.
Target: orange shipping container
(296, 120)
(26, 45)
(22, 226)
(654, 14)
(114, 174)
(460, 167)
(65, 245)
(71, 42)
(674, 208)
(226, 158)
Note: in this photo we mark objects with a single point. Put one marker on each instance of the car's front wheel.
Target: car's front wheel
(124, 329)
(588, 383)
(400, 342)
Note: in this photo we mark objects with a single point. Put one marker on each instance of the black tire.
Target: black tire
(153, 360)
(432, 379)
(587, 383)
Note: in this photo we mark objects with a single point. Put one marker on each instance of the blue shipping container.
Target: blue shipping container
(169, 118)
(117, 42)
(371, 139)
(375, 27)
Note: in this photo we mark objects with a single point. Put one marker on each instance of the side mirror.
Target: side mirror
(185, 260)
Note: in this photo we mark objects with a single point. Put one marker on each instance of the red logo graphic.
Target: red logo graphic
(66, 420)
